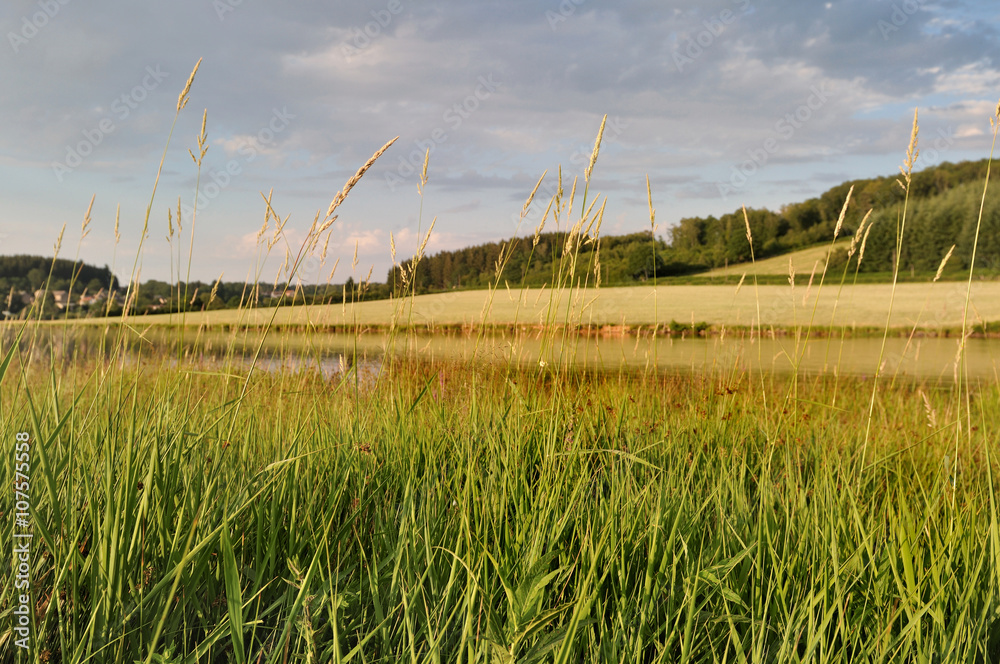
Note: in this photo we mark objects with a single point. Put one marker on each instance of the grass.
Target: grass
(187, 510)
(456, 513)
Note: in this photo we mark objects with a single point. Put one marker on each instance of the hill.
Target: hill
(943, 211)
(802, 260)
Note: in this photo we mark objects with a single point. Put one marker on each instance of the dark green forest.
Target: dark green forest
(28, 273)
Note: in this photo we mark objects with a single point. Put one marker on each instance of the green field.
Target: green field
(939, 305)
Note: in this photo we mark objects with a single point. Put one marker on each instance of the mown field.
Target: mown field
(802, 261)
(931, 306)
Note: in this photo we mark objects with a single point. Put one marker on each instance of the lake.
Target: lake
(928, 358)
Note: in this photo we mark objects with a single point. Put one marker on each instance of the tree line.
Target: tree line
(942, 199)
(943, 210)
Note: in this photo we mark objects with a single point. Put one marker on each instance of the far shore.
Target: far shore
(933, 309)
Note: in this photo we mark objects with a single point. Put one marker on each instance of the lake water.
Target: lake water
(333, 353)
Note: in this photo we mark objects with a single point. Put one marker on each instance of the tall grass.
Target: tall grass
(466, 512)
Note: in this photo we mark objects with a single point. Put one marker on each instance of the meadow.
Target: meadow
(940, 306)
(452, 510)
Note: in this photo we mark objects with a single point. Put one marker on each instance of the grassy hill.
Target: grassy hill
(802, 260)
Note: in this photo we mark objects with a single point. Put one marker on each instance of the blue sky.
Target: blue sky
(721, 103)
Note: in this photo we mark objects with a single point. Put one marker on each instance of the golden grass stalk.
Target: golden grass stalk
(342, 194)
(864, 241)
(427, 237)
(944, 261)
(597, 149)
(215, 289)
(58, 245)
(182, 99)
(857, 235)
(843, 213)
(960, 377)
(423, 172)
(531, 196)
(760, 322)
(912, 153)
(85, 226)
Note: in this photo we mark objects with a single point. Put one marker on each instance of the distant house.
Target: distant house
(158, 303)
(60, 297)
(87, 300)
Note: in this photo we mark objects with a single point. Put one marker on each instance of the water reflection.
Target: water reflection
(334, 354)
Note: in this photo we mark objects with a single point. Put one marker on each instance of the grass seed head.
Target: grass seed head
(912, 152)
(423, 244)
(843, 213)
(58, 244)
(864, 241)
(84, 227)
(944, 261)
(182, 100)
(652, 211)
(857, 235)
(531, 196)
(597, 149)
(342, 194)
(746, 221)
(423, 173)
(215, 289)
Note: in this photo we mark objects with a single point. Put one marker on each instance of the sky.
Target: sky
(721, 103)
